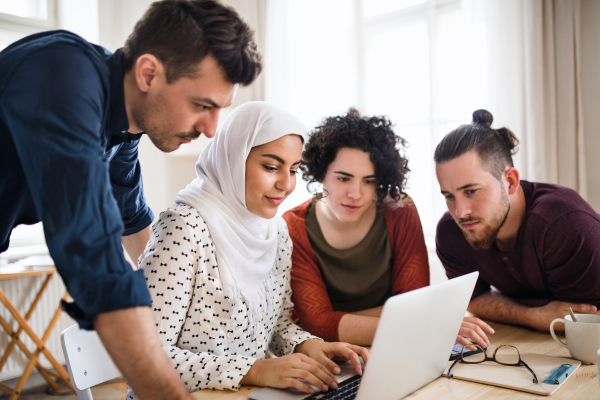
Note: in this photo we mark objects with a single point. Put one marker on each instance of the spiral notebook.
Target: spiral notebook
(517, 378)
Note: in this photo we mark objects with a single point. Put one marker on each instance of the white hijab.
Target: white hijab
(245, 244)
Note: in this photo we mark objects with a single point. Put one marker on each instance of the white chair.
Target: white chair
(88, 362)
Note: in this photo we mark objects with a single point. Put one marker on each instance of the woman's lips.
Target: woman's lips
(275, 200)
(350, 208)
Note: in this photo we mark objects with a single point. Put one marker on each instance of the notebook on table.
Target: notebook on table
(517, 378)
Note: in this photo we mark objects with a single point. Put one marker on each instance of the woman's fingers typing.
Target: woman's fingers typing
(474, 333)
(294, 370)
(326, 351)
(474, 329)
(480, 323)
(318, 370)
(465, 342)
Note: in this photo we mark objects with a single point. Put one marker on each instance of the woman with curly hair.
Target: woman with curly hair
(360, 240)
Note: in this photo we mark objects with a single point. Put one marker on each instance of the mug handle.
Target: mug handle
(563, 344)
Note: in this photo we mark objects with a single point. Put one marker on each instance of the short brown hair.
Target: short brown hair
(373, 135)
(180, 33)
(495, 147)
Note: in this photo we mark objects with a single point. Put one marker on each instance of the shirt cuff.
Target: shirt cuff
(110, 293)
(238, 370)
(141, 219)
(296, 339)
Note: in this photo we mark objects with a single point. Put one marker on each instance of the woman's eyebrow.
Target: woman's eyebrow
(352, 176)
(279, 159)
(344, 173)
(273, 156)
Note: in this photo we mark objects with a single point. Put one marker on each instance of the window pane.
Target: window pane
(397, 72)
(8, 37)
(372, 8)
(459, 71)
(311, 63)
(36, 9)
(421, 170)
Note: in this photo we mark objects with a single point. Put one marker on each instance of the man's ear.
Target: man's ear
(512, 178)
(148, 70)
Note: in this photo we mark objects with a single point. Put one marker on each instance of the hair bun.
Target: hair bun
(483, 117)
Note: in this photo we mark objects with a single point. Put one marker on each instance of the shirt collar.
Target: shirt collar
(118, 124)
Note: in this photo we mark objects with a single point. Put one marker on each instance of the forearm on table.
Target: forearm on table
(535, 302)
(497, 307)
(136, 243)
(131, 339)
(357, 329)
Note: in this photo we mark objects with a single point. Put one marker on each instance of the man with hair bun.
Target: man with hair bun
(71, 117)
(536, 245)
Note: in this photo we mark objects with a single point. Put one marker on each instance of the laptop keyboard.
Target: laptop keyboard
(346, 391)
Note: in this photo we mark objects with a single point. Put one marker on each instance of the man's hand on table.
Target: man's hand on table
(541, 317)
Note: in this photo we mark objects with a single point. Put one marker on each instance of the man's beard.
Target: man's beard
(159, 135)
(490, 232)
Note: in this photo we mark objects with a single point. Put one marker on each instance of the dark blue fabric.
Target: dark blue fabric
(67, 160)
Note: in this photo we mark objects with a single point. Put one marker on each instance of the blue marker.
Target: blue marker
(559, 374)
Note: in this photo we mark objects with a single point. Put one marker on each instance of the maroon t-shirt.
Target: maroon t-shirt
(556, 254)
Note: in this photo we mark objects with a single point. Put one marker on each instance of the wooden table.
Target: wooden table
(583, 385)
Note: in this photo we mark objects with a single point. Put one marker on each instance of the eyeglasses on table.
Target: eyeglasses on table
(504, 355)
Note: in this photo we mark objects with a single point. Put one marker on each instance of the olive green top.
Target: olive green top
(357, 278)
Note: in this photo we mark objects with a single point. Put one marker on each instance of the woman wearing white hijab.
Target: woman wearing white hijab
(218, 264)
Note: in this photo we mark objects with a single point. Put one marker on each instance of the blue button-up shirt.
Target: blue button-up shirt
(67, 160)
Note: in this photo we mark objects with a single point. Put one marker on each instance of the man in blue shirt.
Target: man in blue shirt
(71, 117)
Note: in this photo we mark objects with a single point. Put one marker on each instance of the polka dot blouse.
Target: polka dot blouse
(208, 346)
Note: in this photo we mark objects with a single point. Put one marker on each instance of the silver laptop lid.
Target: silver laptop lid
(414, 338)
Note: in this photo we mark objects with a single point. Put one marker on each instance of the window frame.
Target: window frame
(9, 22)
(429, 11)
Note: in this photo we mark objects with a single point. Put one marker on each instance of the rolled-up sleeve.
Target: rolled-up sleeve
(128, 189)
(54, 107)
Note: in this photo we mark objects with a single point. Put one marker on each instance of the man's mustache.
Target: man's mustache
(468, 219)
(190, 135)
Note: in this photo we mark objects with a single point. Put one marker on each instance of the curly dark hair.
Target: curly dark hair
(373, 135)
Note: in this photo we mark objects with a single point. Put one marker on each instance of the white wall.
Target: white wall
(79, 16)
(590, 84)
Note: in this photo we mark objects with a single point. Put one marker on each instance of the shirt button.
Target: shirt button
(505, 259)
(260, 339)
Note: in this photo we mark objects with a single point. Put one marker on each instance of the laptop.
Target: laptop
(413, 342)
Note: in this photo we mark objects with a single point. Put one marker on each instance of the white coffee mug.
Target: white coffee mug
(583, 336)
(598, 364)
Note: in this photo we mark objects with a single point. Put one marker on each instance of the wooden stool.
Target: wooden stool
(15, 272)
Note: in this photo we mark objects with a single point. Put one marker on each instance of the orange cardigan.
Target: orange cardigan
(410, 266)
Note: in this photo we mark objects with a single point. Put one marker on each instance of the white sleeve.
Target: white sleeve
(287, 335)
(170, 263)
